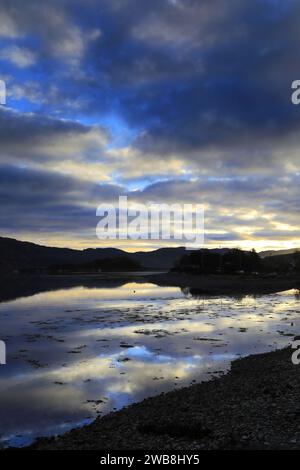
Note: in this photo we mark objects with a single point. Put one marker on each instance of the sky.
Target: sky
(170, 101)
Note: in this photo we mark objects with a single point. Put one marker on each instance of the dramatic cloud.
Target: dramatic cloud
(31, 137)
(48, 24)
(168, 100)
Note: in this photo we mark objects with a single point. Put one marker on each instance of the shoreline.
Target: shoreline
(217, 284)
(16, 286)
(253, 406)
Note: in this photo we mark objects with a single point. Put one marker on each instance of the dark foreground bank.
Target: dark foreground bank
(254, 406)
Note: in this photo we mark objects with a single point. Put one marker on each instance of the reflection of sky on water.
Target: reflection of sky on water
(76, 353)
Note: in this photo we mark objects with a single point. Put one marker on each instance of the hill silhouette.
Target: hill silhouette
(17, 255)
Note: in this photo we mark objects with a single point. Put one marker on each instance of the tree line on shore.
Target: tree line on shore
(236, 261)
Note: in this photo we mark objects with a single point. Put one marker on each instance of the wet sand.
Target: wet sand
(254, 406)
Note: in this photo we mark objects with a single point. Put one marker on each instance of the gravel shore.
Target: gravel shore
(254, 406)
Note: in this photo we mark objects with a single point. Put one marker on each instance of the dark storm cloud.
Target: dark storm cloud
(34, 199)
(33, 137)
(240, 98)
(211, 187)
(22, 128)
(48, 28)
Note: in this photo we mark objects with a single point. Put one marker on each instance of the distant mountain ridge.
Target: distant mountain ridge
(15, 255)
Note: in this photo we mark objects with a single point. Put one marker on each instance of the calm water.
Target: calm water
(77, 353)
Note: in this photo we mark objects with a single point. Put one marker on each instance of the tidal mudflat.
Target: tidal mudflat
(78, 353)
